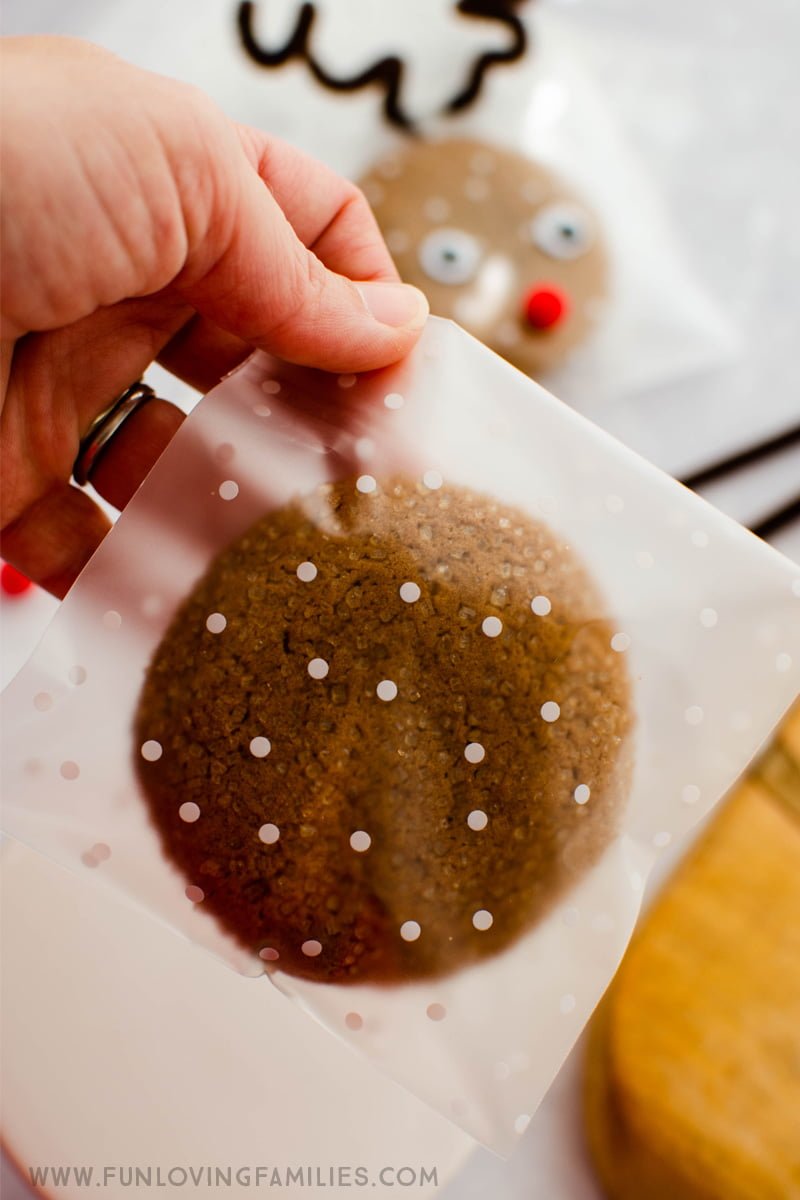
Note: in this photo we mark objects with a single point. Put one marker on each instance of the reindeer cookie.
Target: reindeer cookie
(497, 243)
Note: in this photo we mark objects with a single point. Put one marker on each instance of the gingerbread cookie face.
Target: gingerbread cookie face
(497, 243)
(385, 731)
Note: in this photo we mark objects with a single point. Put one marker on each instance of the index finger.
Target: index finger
(329, 214)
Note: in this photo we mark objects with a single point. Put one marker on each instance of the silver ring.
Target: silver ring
(104, 427)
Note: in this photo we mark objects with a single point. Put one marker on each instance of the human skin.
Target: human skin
(139, 224)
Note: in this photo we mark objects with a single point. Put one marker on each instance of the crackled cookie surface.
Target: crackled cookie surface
(385, 731)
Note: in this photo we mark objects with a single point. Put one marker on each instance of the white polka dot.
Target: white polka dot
(346, 381)
(662, 839)
(620, 642)
(477, 820)
(228, 489)
(262, 410)
(306, 572)
(474, 752)
(783, 662)
(482, 920)
(112, 619)
(189, 812)
(540, 606)
(195, 894)
(365, 447)
(152, 751)
(644, 559)
(615, 504)
(269, 834)
(152, 605)
(373, 191)
(693, 715)
(476, 189)
(398, 240)
(708, 617)
(269, 954)
(216, 622)
(410, 592)
(483, 162)
(410, 931)
(271, 387)
(69, 770)
(318, 668)
(534, 191)
(507, 335)
(436, 1012)
(492, 626)
(42, 701)
(699, 538)
(225, 453)
(437, 208)
(582, 793)
(77, 675)
(366, 484)
(360, 841)
(567, 1003)
(260, 747)
(312, 948)
(386, 689)
(690, 793)
(550, 711)
(521, 1123)
(394, 400)
(432, 480)
(354, 1021)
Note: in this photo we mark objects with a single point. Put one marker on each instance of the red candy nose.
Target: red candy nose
(545, 306)
(12, 581)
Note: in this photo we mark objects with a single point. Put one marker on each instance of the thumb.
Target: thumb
(270, 290)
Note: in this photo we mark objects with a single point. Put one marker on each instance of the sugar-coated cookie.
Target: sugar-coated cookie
(385, 731)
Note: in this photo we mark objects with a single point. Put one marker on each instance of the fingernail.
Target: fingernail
(394, 304)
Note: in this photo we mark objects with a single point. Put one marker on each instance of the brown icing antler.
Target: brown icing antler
(493, 10)
(388, 72)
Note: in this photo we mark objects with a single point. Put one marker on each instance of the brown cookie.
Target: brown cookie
(385, 731)
(497, 242)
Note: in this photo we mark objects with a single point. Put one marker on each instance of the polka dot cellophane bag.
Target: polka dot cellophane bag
(392, 688)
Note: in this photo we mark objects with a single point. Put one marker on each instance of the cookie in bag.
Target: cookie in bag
(385, 731)
(497, 242)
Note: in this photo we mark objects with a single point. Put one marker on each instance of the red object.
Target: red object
(12, 581)
(545, 306)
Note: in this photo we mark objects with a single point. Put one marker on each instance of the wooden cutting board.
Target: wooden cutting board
(693, 1071)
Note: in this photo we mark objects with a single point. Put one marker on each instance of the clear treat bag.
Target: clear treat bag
(620, 311)
(393, 687)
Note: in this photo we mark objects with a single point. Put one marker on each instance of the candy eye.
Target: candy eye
(562, 231)
(450, 256)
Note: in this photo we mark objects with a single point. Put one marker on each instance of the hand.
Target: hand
(140, 224)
